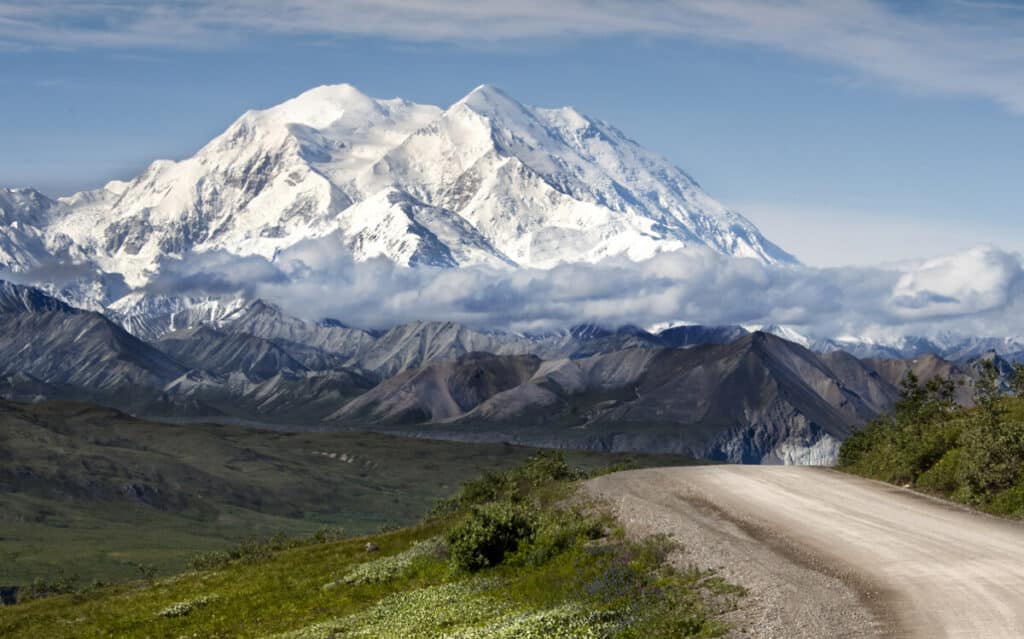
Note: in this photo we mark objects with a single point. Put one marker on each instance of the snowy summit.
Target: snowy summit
(486, 181)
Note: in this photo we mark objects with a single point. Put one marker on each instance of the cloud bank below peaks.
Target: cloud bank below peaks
(977, 292)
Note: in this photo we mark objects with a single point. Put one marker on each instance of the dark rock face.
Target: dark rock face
(15, 299)
(687, 336)
(83, 353)
(222, 353)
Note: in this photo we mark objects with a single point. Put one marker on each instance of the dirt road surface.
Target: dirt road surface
(824, 554)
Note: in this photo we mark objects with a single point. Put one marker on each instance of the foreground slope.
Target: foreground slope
(91, 492)
(510, 555)
(893, 563)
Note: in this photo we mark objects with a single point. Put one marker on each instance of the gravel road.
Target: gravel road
(824, 554)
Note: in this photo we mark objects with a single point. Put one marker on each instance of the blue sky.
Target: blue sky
(856, 133)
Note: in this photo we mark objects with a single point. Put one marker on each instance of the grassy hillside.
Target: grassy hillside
(511, 555)
(971, 455)
(93, 493)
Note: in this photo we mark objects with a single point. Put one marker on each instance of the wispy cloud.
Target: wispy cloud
(966, 48)
(998, 6)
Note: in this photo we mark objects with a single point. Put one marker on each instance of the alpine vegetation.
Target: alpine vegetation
(513, 554)
(971, 455)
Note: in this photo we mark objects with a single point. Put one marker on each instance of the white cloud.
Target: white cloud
(976, 281)
(973, 49)
(978, 291)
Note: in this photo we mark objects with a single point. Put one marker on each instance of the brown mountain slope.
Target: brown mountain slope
(757, 399)
(925, 367)
(440, 390)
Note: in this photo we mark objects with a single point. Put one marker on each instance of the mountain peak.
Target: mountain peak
(15, 298)
(262, 307)
(488, 181)
(343, 94)
(26, 205)
(321, 106)
(486, 90)
(488, 99)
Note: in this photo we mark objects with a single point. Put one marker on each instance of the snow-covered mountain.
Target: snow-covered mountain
(486, 181)
(551, 185)
(24, 217)
(950, 346)
(150, 317)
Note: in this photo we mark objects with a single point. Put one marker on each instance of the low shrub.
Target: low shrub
(323, 535)
(944, 476)
(993, 457)
(541, 469)
(557, 530)
(257, 550)
(213, 560)
(489, 533)
(1009, 502)
(549, 466)
(39, 588)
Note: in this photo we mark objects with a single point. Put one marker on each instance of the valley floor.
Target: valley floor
(88, 493)
(824, 554)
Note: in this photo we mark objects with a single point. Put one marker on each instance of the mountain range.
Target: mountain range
(487, 183)
(712, 392)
